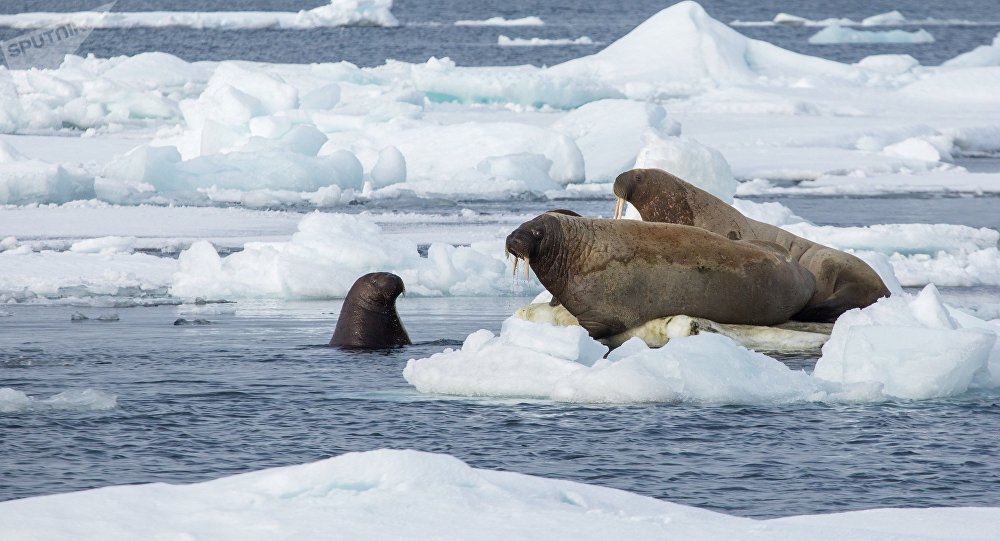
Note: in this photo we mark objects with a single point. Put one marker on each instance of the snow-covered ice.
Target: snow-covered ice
(892, 350)
(402, 494)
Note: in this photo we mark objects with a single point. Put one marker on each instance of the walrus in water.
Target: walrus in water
(843, 281)
(614, 275)
(368, 319)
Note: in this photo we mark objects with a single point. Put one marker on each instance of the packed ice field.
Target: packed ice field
(149, 180)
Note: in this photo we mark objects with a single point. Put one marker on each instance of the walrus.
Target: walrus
(843, 281)
(614, 275)
(368, 319)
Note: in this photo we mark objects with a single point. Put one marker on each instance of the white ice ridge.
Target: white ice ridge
(835, 34)
(505, 41)
(891, 18)
(328, 253)
(336, 13)
(903, 347)
(501, 21)
(404, 494)
(14, 401)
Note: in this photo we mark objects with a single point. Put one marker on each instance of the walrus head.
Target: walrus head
(656, 194)
(536, 242)
(368, 319)
(625, 188)
(377, 291)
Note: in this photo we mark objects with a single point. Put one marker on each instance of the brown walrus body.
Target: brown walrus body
(843, 281)
(614, 275)
(368, 319)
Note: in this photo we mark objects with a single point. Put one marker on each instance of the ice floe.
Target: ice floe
(350, 495)
(835, 34)
(506, 41)
(903, 347)
(501, 21)
(336, 13)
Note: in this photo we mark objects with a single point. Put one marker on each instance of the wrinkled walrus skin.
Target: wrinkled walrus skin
(368, 319)
(843, 281)
(614, 275)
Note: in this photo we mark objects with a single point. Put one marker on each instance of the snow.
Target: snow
(505, 41)
(352, 495)
(13, 401)
(336, 13)
(837, 34)
(501, 21)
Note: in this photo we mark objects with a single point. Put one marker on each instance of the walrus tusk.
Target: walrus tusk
(516, 261)
(619, 207)
(527, 268)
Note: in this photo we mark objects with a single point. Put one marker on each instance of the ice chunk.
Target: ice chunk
(910, 345)
(690, 160)
(682, 49)
(505, 41)
(837, 34)
(609, 134)
(982, 56)
(706, 369)
(390, 167)
(501, 21)
(570, 343)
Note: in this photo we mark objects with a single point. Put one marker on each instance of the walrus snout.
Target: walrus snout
(521, 243)
(387, 284)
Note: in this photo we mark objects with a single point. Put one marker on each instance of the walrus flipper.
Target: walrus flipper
(828, 311)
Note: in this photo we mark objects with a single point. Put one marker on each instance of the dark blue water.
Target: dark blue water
(255, 390)
(427, 29)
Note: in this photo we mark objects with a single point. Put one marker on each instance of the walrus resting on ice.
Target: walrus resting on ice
(613, 275)
(368, 319)
(843, 281)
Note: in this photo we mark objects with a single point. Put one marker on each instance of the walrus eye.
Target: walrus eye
(537, 233)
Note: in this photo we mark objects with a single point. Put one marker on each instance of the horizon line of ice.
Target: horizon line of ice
(335, 14)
